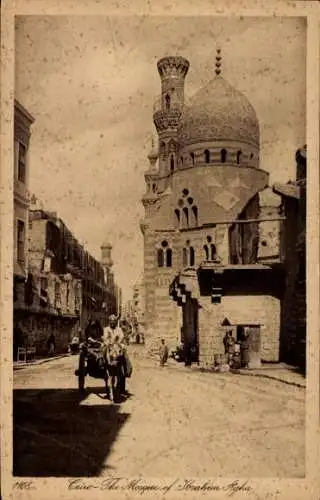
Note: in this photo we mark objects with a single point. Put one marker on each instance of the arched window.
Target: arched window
(171, 163)
(169, 257)
(192, 158)
(239, 154)
(177, 212)
(181, 159)
(160, 257)
(167, 99)
(194, 211)
(164, 255)
(251, 156)
(184, 257)
(207, 156)
(192, 256)
(206, 251)
(213, 252)
(185, 217)
(154, 187)
(223, 155)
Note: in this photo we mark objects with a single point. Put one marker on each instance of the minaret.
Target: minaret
(168, 109)
(151, 178)
(107, 262)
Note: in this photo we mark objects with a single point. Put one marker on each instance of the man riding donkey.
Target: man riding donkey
(118, 365)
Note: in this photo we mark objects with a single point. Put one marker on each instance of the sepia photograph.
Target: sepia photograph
(159, 266)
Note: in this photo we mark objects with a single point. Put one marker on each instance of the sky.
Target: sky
(90, 83)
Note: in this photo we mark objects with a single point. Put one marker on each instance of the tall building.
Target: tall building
(213, 227)
(293, 331)
(22, 133)
(65, 286)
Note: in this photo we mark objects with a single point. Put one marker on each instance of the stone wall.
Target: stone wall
(244, 310)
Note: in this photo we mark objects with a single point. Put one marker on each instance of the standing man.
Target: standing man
(51, 343)
(113, 330)
(163, 352)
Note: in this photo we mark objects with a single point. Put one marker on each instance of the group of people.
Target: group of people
(237, 351)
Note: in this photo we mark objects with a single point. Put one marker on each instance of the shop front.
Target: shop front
(244, 300)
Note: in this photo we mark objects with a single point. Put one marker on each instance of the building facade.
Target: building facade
(213, 227)
(22, 133)
(293, 331)
(64, 289)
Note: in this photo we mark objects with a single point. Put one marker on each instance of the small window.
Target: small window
(20, 241)
(167, 99)
(192, 158)
(223, 155)
(185, 192)
(180, 203)
(195, 215)
(192, 256)
(213, 252)
(190, 200)
(184, 257)
(169, 257)
(22, 162)
(171, 163)
(206, 251)
(239, 154)
(209, 239)
(160, 258)
(154, 187)
(251, 156)
(177, 212)
(181, 159)
(207, 156)
(185, 217)
(164, 244)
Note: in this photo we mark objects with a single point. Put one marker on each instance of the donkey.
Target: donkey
(114, 369)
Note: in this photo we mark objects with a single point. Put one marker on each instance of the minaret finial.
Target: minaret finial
(218, 62)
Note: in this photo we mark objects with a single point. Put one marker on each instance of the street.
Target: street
(177, 422)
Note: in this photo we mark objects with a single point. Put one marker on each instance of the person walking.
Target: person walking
(51, 343)
(229, 346)
(163, 353)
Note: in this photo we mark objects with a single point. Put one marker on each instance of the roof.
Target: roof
(219, 112)
(287, 190)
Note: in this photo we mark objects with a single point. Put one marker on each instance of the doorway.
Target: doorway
(189, 332)
(254, 340)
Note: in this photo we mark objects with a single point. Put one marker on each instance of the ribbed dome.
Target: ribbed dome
(219, 112)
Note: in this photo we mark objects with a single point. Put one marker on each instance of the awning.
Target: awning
(287, 190)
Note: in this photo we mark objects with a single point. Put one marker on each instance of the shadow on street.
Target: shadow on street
(54, 435)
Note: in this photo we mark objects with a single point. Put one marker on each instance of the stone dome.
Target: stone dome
(219, 112)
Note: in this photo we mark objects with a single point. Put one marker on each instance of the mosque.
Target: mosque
(213, 227)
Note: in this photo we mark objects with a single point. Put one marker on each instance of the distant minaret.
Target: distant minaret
(107, 261)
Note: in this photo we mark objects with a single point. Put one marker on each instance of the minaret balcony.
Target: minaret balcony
(167, 118)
